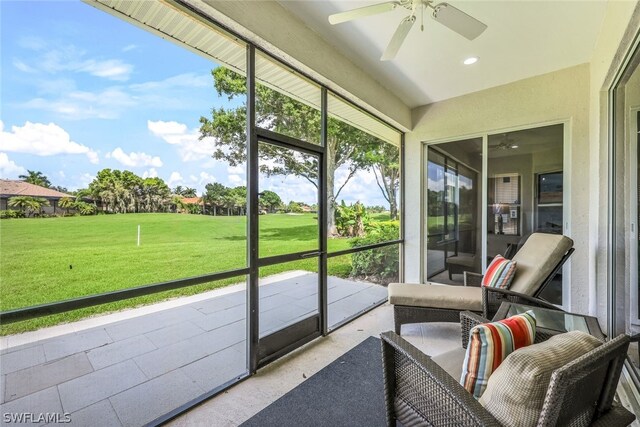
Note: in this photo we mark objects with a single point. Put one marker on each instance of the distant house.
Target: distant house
(192, 201)
(11, 188)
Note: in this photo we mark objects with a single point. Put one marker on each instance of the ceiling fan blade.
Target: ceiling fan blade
(458, 21)
(338, 18)
(398, 37)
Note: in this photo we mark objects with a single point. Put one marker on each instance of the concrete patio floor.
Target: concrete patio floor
(129, 368)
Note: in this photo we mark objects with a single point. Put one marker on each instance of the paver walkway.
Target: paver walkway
(130, 372)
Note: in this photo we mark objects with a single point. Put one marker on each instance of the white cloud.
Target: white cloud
(291, 188)
(236, 180)
(78, 105)
(151, 173)
(134, 159)
(23, 67)
(129, 47)
(237, 170)
(204, 178)
(81, 181)
(32, 43)
(42, 140)
(112, 69)
(56, 58)
(175, 179)
(9, 169)
(189, 80)
(190, 146)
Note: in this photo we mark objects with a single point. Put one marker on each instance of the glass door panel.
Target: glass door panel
(453, 217)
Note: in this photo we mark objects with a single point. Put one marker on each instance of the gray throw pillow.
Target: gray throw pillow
(516, 390)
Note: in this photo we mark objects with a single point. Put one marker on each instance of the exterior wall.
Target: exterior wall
(562, 96)
(612, 44)
(281, 33)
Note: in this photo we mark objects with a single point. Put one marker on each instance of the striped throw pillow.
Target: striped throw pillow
(490, 344)
(499, 273)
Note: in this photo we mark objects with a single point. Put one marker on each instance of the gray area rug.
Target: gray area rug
(347, 392)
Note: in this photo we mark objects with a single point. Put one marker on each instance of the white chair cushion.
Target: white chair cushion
(434, 295)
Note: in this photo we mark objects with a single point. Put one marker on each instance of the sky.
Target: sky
(82, 90)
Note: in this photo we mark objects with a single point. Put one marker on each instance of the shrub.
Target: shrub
(352, 220)
(10, 213)
(378, 265)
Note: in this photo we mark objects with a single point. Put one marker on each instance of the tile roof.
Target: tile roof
(191, 200)
(9, 187)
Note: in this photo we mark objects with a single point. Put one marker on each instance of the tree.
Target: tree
(124, 191)
(189, 192)
(84, 208)
(236, 199)
(36, 178)
(66, 203)
(294, 207)
(346, 145)
(214, 195)
(385, 164)
(270, 201)
(185, 191)
(59, 188)
(29, 205)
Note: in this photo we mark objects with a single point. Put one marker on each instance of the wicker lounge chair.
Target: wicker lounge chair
(538, 261)
(420, 390)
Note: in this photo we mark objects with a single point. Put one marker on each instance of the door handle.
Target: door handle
(311, 254)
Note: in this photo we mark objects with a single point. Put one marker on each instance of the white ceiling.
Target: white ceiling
(524, 39)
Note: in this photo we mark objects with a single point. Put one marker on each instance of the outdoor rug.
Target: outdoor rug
(347, 392)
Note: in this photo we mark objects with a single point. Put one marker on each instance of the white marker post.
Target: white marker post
(138, 234)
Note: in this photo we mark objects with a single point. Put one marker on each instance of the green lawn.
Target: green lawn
(52, 259)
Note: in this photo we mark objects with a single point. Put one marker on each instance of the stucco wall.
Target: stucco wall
(556, 97)
(272, 27)
(613, 43)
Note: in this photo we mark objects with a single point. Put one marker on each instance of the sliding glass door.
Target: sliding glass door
(517, 179)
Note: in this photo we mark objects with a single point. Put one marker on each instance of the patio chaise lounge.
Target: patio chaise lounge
(538, 261)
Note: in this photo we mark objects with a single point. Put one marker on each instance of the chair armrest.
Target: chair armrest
(493, 297)
(472, 279)
(616, 416)
(467, 321)
(418, 391)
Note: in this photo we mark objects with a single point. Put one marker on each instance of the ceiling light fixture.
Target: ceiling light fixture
(470, 60)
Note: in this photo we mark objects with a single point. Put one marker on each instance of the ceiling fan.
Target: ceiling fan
(449, 16)
(507, 143)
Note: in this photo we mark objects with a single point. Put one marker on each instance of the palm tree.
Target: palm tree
(66, 203)
(36, 178)
(189, 192)
(84, 208)
(28, 204)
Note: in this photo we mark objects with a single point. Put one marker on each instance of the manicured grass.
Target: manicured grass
(53, 259)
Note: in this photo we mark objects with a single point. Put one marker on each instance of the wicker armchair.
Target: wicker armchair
(418, 391)
(538, 261)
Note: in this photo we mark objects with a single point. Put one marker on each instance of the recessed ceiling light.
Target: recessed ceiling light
(470, 60)
(514, 146)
